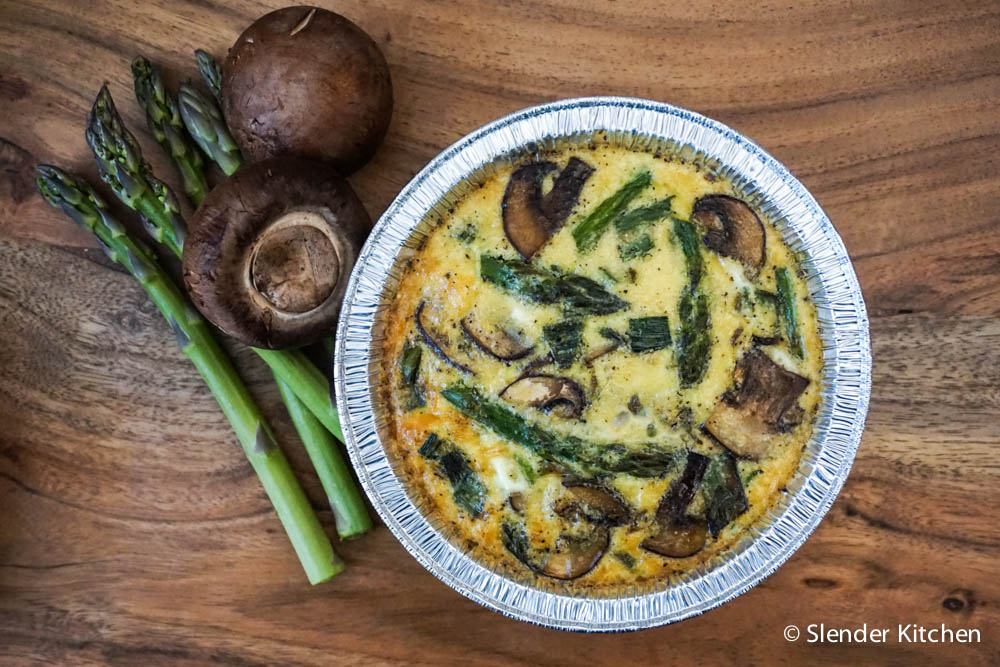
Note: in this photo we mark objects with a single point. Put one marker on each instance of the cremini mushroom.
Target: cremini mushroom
(307, 81)
(439, 341)
(747, 420)
(559, 395)
(677, 534)
(494, 340)
(531, 218)
(270, 251)
(731, 229)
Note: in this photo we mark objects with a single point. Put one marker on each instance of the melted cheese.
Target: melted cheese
(445, 275)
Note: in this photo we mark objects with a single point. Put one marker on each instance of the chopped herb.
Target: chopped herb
(639, 247)
(466, 234)
(626, 559)
(609, 275)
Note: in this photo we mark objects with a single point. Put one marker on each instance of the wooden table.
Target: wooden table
(132, 530)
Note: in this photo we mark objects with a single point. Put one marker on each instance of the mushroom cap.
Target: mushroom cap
(529, 218)
(270, 251)
(307, 81)
(732, 229)
(748, 422)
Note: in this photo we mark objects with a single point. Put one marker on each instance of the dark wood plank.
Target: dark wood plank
(133, 531)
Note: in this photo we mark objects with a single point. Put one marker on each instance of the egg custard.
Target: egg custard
(601, 368)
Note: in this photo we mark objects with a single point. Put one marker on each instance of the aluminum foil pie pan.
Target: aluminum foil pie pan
(763, 182)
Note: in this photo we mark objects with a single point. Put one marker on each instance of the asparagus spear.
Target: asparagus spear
(288, 366)
(334, 475)
(120, 163)
(203, 120)
(577, 294)
(79, 201)
(209, 69)
(589, 230)
(694, 341)
(466, 488)
(164, 120)
(786, 299)
(579, 456)
(639, 217)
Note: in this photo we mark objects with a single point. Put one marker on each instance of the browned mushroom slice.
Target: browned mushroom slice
(576, 556)
(678, 538)
(596, 503)
(565, 192)
(516, 501)
(748, 420)
(678, 535)
(529, 219)
(731, 229)
(559, 395)
(437, 340)
(494, 341)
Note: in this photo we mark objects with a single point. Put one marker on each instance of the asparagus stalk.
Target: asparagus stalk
(789, 314)
(591, 228)
(164, 120)
(577, 455)
(466, 488)
(694, 342)
(204, 121)
(120, 163)
(79, 201)
(209, 69)
(577, 294)
(290, 367)
(333, 472)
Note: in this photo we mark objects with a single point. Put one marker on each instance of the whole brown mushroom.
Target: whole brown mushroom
(271, 249)
(307, 81)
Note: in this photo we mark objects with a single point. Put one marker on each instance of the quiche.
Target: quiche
(600, 369)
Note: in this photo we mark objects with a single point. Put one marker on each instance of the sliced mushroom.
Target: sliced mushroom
(574, 556)
(596, 503)
(748, 420)
(683, 489)
(530, 219)
(560, 200)
(679, 535)
(559, 395)
(732, 229)
(437, 340)
(516, 501)
(495, 340)
(678, 538)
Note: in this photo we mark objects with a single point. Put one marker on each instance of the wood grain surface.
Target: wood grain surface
(132, 530)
